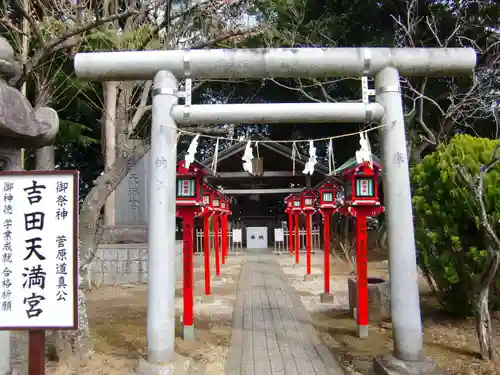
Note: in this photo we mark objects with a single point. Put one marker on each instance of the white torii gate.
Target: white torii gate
(384, 64)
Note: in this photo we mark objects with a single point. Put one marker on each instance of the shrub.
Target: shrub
(450, 242)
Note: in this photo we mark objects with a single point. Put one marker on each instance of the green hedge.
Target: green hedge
(451, 245)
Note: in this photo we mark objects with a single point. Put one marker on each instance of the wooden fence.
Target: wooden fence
(279, 247)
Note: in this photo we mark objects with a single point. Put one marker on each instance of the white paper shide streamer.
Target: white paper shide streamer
(309, 167)
(215, 159)
(331, 157)
(365, 152)
(247, 158)
(191, 152)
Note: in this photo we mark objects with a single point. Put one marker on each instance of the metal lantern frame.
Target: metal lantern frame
(189, 182)
(296, 203)
(225, 202)
(327, 193)
(208, 193)
(288, 203)
(308, 201)
(217, 200)
(361, 185)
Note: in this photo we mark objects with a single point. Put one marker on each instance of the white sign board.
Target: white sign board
(257, 238)
(279, 236)
(38, 250)
(237, 236)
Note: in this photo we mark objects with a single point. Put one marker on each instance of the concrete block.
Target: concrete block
(308, 277)
(327, 298)
(379, 298)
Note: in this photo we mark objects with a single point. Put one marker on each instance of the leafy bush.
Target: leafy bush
(450, 242)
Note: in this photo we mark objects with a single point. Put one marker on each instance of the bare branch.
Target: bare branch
(477, 193)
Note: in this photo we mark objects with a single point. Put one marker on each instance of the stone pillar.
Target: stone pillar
(131, 194)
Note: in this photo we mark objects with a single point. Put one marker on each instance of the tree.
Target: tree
(204, 24)
(455, 196)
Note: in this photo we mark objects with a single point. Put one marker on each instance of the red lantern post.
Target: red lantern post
(327, 206)
(207, 195)
(225, 212)
(216, 204)
(288, 210)
(296, 210)
(307, 202)
(362, 200)
(188, 206)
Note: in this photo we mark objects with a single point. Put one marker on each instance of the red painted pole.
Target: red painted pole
(226, 228)
(362, 276)
(290, 232)
(297, 239)
(326, 249)
(188, 293)
(308, 243)
(223, 237)
(206, 251)
(216, 244)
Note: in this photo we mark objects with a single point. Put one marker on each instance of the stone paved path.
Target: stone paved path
(272, 332)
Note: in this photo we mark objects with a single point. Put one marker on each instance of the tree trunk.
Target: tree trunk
(74, 345)
(109, 144)
(483, 317)
(483, 324)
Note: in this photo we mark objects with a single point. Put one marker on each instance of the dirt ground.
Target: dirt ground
(450, 342)
(117, 316)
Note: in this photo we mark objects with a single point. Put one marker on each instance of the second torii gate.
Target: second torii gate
(384, 64)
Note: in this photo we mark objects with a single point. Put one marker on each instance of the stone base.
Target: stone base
(295, 265)
(308, 277)
(180, 366)
(188, 333)
(207, 299)
(362, 331)
(390, 365)
(326, 298)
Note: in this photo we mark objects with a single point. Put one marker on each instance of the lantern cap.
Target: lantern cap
(328, 185)
(376, 168)
(194, 167)
(352, 164)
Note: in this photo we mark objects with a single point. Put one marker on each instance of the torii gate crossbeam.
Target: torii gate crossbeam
(384, 64)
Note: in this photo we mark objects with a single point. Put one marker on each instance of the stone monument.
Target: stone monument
(21, 126)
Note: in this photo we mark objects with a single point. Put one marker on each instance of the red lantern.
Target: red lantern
(288, 210)
(328, 196)
(208, 196)
(327, 206)
(308, 203)
(296, 203)
(361, 185)
(296, 209)
(218, 205)
(188, 185)
(189, 204)
(361, 199)
(225, 205)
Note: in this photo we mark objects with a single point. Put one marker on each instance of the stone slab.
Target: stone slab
(180, 366)
(390, 365)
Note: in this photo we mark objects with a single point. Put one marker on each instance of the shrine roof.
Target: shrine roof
(277, 148)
